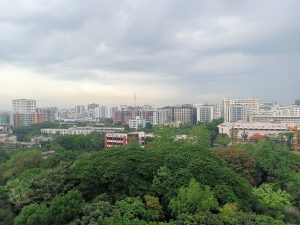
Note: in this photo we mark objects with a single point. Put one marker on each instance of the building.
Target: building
(179, 114)
(23, 112)
(283, 114)
(166, 115)
(102, 112)
(297, 102)
(49, 113)
(137, 123)
(252, 105)
(65, 114)
(184, 114)
(4, 118)
(218, 111)
(205, 113)
(251, 128)
(79, 111)
(117, 139)
(82, 130)
(237, 113)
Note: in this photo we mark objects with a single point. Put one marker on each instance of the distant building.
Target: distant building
(237, 113)
(166, 115)
(179, 114)
(48, 113)
(117, 139)
(79, 111)
(4, 118)
(23, 112)
(82, 130)
(251, 129)
(205, 113)
(297, 102)
(137, 123)
(184, 114)
(283, 114)
(251, 104)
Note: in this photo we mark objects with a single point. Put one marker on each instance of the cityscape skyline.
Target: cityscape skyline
(166, 52)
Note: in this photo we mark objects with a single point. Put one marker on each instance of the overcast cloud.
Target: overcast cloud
(172, 51)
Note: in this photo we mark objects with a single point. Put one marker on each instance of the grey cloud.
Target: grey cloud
(203, 45)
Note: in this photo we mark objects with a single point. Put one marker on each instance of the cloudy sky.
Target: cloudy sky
(67, 52)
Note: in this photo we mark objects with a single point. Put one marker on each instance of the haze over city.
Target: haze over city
(64, 53)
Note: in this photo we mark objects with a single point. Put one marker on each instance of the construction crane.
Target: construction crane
(296, 144)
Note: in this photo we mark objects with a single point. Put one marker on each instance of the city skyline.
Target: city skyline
(72, 52)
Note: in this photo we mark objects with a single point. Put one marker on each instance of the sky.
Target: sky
(70, 52)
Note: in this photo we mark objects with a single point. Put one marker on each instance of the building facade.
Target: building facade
(23, 112)
(237, 113)
(252, 105)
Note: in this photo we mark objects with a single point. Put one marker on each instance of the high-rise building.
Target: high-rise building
(49, 113)
(166, 115)
(79, 111)
(23, 112)
(251, 104)
(237, 113)
(205, 113)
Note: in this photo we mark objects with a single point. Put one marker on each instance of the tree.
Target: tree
(222, 139)
(164, 134)
(273, 199)
(193, 199)
(199, 135)
(65, 208)
(33, 214)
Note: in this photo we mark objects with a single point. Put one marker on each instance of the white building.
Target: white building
(137, 123)
(205, 113)
(283, 114)
(252, 105)
(237, 113)
(23, 112)
(251, 128)
(81, 130)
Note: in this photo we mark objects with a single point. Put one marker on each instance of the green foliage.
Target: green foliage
(199, 135)
(62, 209)
(148, 186)
(20, 161)
(132, 207)
(273, 199)
(272, 161)
(164, 134)
(193, 199)
(222, 140)
(213, 130)
(51, 182)
(65, 208)
(19, 187)
(6, 214)
(228, 213)
(25, 133)
(95, 212)
(90, 142)
(119, 172)
(33, 214)
(154, 207)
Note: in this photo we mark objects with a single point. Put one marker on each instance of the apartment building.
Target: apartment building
(281, 114)
(251, 104)
(48, 113)
(23, 112)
